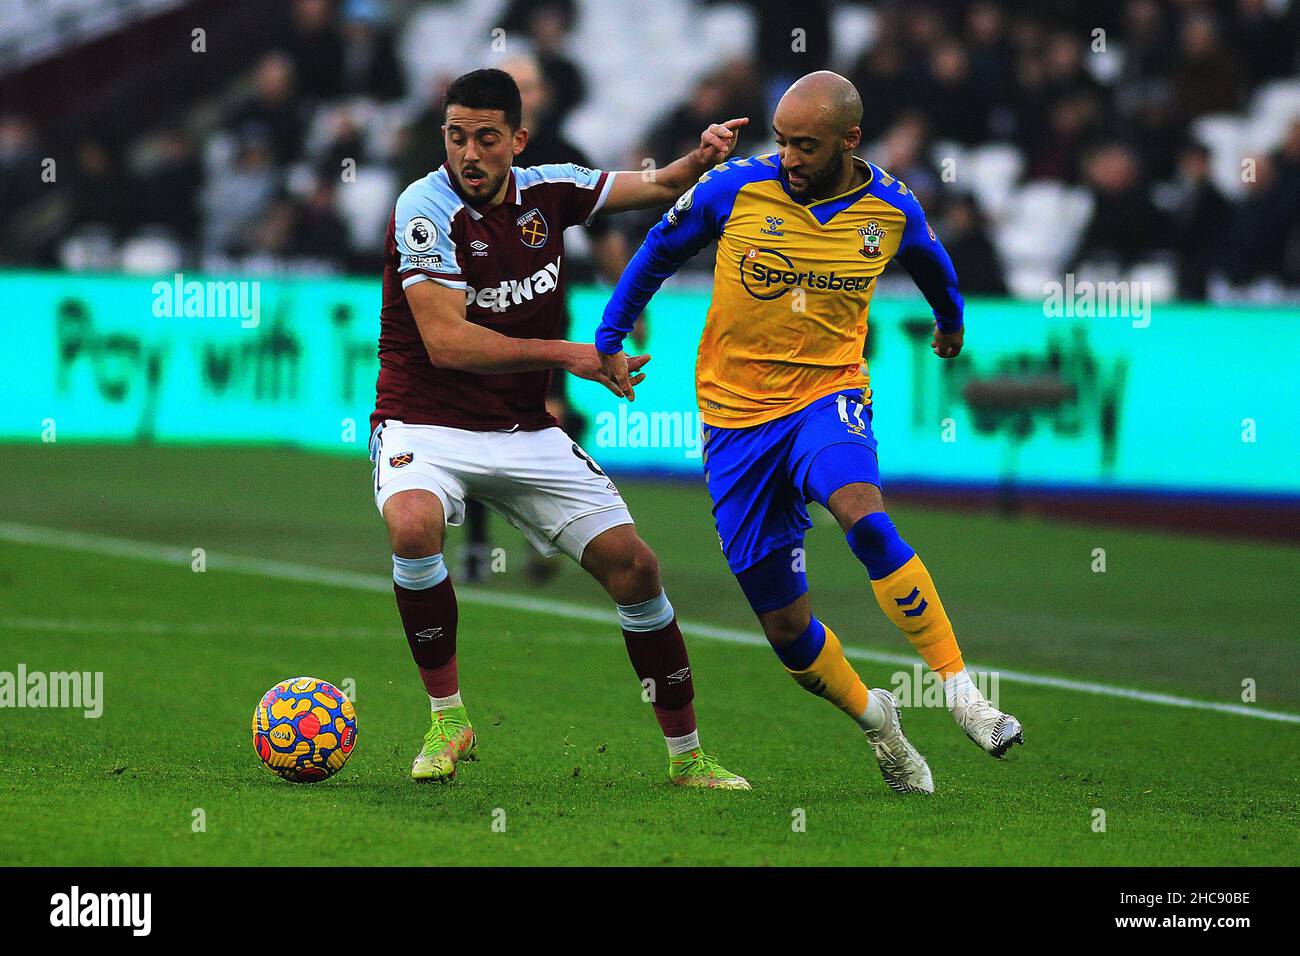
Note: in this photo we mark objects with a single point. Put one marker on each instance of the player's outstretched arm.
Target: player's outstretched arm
(653, 263)
(452, 341)
(928, 263)
(697, 218)
(660, 187)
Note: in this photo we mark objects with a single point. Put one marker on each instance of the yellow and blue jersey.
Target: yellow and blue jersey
(792, 284)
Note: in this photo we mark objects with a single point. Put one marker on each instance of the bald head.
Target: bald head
(817, 129)
(533, 92)
(522, 66)
(824, 97)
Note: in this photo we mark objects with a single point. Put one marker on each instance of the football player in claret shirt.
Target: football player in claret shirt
(473, 305)
(786, 402)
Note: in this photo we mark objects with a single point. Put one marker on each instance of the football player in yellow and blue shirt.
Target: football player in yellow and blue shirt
(785, 398)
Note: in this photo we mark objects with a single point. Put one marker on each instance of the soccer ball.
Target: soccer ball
(304, 729)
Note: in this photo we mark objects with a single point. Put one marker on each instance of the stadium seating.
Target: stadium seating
(640, 62)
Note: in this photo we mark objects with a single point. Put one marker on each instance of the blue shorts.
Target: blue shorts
(761, 477)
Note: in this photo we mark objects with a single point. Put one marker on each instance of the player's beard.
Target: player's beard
(820, 185)
(486, 189)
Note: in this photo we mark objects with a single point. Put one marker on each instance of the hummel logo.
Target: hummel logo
(915, 611)
(676, 677)
(428, 634)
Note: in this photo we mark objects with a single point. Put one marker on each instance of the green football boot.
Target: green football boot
(695, 768)
(450, 740)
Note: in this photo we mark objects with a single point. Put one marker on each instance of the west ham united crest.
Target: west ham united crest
(532, 229)
(402, 460)
(871, 235)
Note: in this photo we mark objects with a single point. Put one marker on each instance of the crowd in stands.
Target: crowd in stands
(295, 166)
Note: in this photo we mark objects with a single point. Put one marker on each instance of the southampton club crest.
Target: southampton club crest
(871, 235)
(532, 229)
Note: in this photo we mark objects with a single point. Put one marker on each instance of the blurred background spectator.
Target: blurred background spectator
(1125, 226)
(547, 25)
(1200, 217)
(1158, 138)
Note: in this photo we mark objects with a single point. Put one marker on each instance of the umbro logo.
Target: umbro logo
(676, 677)
(428, 634)
(478, 247)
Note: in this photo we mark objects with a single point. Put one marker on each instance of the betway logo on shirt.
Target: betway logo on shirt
(512, 292)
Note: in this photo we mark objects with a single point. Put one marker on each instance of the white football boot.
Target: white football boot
(903, 768)
(994, 731)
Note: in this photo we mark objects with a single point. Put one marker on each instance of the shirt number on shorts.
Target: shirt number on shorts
(851, 414)
(588, 459)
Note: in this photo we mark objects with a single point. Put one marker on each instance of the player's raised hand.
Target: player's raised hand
(720, 139)
(947, 344)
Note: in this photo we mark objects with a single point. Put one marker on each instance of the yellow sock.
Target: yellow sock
(909, 599)
(832, 676)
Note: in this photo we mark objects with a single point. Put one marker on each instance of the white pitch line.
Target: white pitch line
(308, 574)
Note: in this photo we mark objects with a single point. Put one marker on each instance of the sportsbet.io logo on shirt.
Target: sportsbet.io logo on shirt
(767, 274)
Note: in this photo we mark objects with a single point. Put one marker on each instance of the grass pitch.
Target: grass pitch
(572, 761)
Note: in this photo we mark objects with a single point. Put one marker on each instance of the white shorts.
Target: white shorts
(539, 481)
